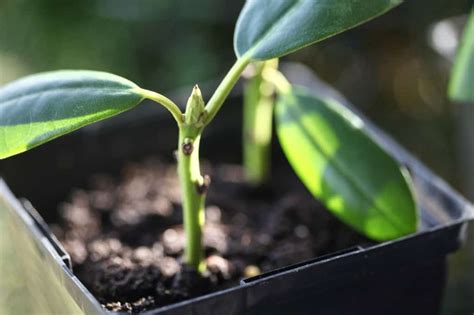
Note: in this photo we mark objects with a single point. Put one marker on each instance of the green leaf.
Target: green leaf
(341, 166)
(41, 107)
(461, 87)
(273, 28)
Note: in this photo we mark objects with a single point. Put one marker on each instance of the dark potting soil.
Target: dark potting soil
(125, 237)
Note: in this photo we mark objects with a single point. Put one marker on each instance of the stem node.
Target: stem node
(204, 185)
(187, 146)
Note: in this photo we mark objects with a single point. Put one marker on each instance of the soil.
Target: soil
(125, 237)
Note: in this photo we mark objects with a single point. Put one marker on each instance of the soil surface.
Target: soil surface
(125, 237)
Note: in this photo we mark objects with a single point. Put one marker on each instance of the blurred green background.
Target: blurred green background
(388, 68)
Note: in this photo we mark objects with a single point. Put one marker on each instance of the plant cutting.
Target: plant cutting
(340, 165)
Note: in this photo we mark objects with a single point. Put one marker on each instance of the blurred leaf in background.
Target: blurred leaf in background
(340, 165)
(461, 87)
(170, 43)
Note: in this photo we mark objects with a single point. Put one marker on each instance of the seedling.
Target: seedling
(324, 142)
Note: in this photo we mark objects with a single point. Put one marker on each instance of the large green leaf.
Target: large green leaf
(273, 28)
(461, 87)
(341, 166)
(41, 107)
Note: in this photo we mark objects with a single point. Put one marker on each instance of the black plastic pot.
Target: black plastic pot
(405, 276)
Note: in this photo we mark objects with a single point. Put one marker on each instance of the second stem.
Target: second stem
(257, 123)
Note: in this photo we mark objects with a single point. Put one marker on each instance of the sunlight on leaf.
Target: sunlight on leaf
(41, 107)
(269, 29)
(340, 165)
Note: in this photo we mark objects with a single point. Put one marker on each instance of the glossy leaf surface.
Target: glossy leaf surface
(273, 28)
(341, 166)
(41, 107)
(461, 87)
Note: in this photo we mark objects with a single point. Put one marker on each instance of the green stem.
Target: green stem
(193, 184)
(257, 124)
(193, 189)
(278, 79)
(166, 102)
(224, 88)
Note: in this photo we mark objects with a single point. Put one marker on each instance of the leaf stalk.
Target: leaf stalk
(166, 102)
(225, 87)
